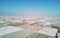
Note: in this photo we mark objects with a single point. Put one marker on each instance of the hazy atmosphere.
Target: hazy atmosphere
(30, 7)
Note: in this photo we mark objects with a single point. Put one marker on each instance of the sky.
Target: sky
(30, 7)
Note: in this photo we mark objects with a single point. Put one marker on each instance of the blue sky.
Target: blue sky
(30, 7)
